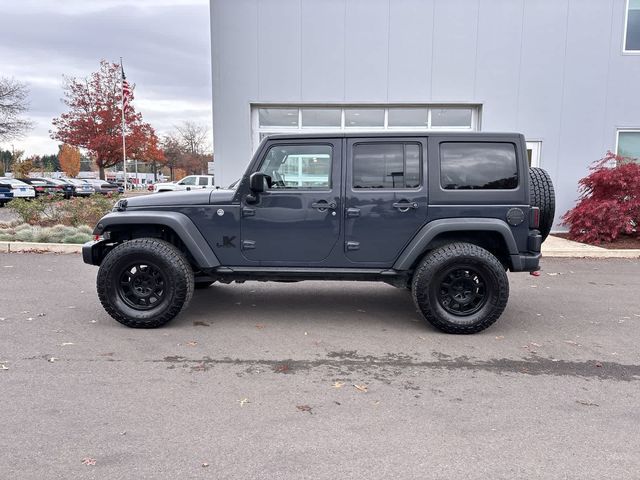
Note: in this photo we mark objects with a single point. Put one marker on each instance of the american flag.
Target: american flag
(126, 91)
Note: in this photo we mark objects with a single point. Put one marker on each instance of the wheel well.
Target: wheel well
(119, 234)
(491, 241)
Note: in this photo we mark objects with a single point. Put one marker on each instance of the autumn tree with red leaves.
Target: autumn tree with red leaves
(94, 119)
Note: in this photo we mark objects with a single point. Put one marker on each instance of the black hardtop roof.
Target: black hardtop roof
(360, 134)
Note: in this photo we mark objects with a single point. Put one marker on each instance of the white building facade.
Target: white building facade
(565, 73)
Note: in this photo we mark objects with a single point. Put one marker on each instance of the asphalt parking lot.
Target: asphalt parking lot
(319, 380)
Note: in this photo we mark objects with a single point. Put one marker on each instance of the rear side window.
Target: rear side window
(481, 166)
(386, 165)
(204, 181)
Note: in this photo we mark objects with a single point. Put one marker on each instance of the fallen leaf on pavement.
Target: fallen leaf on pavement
(42, 315)
(260, 325)
(535, 344)
(571, 342)
(192, 343)
(198, 323)
(337, 384)
(243, 401)
(304, 408)
(3, 367)
(281, 368)
(205, 464)
(88, 461)
(586, 403)
(598, 364)
(361, 388)
(52, 359)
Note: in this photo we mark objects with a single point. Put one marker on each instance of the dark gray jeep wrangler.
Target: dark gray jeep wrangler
(444, 215)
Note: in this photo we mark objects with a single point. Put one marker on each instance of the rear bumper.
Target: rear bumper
(529, 262)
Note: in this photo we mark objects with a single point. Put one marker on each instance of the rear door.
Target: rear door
(385, 197)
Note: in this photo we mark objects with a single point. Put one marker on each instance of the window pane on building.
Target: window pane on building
(364, 117)
(629, 144)
(408, 117)
(386, 165)
(632, 42)
(486, 166)
(451, 117)
(321, 117)
(278, 117)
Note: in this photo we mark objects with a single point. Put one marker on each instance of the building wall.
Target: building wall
(551, 69)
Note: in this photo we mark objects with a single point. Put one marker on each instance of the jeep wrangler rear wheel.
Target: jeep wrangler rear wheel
(460, 288)
(144, 283)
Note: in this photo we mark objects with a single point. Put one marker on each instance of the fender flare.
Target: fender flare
(178, 222)
(421, 240)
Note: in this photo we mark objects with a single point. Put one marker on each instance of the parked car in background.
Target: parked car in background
(192, 182)
(40, 185)
(68, 189)
(82, 187)
(6, 194)
(104, 187)
(18, 188)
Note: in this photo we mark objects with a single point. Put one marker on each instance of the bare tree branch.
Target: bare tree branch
(13, 104)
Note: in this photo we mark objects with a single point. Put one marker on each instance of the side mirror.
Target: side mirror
(257, 182)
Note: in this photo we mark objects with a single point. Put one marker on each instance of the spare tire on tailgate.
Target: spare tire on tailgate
(543, 197)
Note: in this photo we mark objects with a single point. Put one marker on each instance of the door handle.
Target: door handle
(353, 212)
(405, 206)
(322, 205)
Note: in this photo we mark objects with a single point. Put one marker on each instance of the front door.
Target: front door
(386, 197)
(295, 221)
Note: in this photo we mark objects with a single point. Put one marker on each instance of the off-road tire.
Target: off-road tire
(543, 196)
(428, 280)
(178, 284)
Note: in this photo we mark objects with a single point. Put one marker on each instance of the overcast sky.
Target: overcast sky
(164, 44)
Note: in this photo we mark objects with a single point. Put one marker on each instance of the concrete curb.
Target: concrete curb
(9, 247)
(604, 253)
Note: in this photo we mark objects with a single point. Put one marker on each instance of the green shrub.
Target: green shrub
(55, 234)
(51, 210)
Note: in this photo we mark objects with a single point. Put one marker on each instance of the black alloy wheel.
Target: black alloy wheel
(142, 286)
(463, 291)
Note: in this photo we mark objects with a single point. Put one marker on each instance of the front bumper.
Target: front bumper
(93, 252)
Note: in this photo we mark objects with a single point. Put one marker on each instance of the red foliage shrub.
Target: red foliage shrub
(609, 203)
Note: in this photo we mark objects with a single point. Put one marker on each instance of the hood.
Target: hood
(193, 197)
(165, 199)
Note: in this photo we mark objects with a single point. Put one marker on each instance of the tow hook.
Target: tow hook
(535, 274)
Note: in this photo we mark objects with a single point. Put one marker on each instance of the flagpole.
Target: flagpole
(124, 146)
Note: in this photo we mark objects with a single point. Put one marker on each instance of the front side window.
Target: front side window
(188, 181)
(632, 27)
(482, 166)
(386, 165)
(298, 166)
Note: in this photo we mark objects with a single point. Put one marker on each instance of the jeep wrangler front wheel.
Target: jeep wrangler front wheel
(144, 283)
(460, 288)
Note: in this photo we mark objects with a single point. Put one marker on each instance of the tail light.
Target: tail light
(534, 218)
